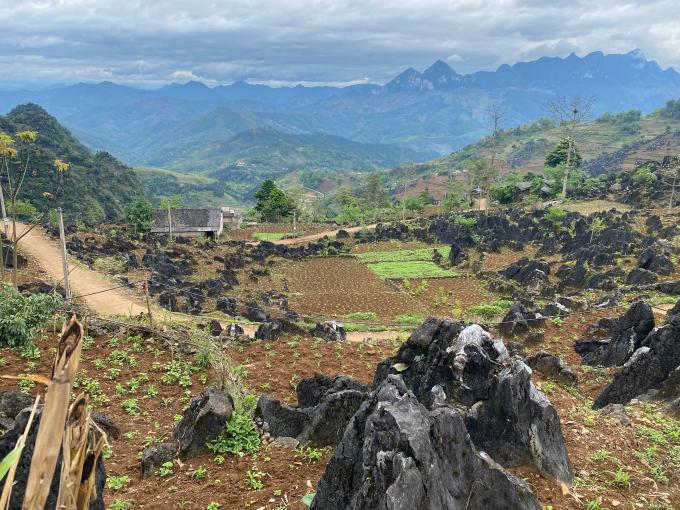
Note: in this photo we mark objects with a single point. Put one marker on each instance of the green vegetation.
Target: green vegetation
(409, 269)
(421, 254)
(270, 236)
(140, 215)
(273, 204)
(96, 187)
(21, 315)
(241, 437)
(195, 190)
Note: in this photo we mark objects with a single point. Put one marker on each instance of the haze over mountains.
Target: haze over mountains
(414, 117)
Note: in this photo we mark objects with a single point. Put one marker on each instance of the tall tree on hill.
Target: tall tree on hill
(482, 174)
(569, 114)
(15, 161)
(374, 192)
(273, 204)
(495, 114)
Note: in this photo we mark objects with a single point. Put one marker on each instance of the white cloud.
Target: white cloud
(313, 41)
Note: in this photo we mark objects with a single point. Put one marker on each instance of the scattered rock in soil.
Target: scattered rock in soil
(552, 366)
(204, 420)
(520, 320)
(155, 456)
(330, 331)
(277, 327)
(395, 453)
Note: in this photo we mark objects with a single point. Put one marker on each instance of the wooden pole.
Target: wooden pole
(294, 223)
(64, 260)
(148, 304)
(169, 222)
(5, 222)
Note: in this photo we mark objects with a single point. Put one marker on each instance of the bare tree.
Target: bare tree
(569, 113)
(495, 115)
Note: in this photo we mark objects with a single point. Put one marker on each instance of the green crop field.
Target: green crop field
(423, 254)
(270, 236)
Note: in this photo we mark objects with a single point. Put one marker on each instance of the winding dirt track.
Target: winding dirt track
(84, 281)
(99, 294)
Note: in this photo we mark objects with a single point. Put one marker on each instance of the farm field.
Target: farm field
(146, 384)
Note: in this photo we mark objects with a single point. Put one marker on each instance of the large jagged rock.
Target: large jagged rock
(639, 276)
(325, 408)
(8, 442)
(397, 454)
(204, 420)
(648, 368)
(518, 424)
(445, 361)
(629, 332)
(154, 456)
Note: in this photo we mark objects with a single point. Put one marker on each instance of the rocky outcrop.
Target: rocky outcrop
(397, 454)
(12, 402)
(8, 442)
(639, 276)
(657, 259)
(629, 332)
(325, 408)
(648, 368)
(154, 456)
(205, 419)
(507, 417)
(530, 274)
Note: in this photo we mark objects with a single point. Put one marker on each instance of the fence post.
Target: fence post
(64, 260)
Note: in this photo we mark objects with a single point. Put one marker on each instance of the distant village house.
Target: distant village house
(195, 222)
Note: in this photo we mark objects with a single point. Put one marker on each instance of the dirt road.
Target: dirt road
(84, 281)
(319, 235)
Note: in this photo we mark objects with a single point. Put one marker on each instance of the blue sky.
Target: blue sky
(153, 42)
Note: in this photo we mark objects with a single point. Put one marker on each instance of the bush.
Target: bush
(487, 311)
(21, 315)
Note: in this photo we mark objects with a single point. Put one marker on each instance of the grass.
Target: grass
(270, 236)
(409, 269)
(422, 254)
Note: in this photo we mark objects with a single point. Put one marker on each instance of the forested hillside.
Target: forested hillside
(96, 186)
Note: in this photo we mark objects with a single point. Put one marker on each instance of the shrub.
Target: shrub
(486, 311)
(21, 315)
(240, 438)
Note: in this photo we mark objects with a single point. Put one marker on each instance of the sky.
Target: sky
(150, 43)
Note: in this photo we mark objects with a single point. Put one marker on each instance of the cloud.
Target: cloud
(312, 41)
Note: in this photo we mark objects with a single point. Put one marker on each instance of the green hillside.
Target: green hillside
(265, 151)
(524, 148)
(96, 187)
(196, 190)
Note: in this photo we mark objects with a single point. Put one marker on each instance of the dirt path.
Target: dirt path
(319, 235)
(83, 280)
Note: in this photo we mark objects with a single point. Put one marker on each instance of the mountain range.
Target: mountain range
(414, 117)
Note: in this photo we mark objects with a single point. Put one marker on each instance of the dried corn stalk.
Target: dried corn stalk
(50, 434)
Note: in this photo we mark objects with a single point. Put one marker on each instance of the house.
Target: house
(230, 217)
(189, 222)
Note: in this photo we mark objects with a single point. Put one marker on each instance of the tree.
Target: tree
(15, 160)
(482, 174)
(569, 114)
(273, 204)
(457, 196)
(374, 192)
(560, 154)
(670, 178)
(171, 202)
(140, 216)
(415, 204)
(266, 188)
(495, 114)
